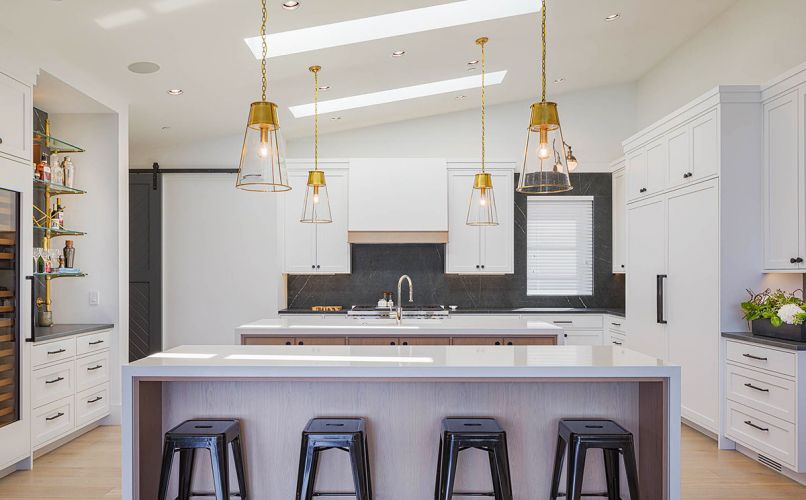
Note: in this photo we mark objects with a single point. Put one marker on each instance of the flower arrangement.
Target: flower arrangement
(778, 307)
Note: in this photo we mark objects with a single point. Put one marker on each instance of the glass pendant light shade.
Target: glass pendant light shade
(262, 166)
(482, 210)
(316, 209)
(545, 165)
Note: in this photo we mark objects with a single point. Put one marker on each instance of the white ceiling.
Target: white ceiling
(200, 47)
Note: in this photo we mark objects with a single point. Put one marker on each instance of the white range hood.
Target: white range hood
(398, 200)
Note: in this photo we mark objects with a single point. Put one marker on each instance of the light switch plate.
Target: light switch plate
(95, 298)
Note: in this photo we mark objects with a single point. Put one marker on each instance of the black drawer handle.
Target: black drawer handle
(392, 343)
(799, 260)
(497, 343)
(97, 342)
(751, 424)
(92, 368)
(57, 379)
(755, 387)
(300, 343)
(793, 260)
(564, 322)
(59, 351)
(1, 140)
(757, 358)
(616, 324)
(95, 400)
(642, 190)
(405, 343)
(617, 342)
(510, 343)
(54, 417)
(288, 342)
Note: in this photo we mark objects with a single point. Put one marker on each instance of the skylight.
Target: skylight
(399, 94)
(389, 25)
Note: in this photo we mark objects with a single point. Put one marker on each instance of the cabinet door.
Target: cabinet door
(462, 253)
(530, 341)
(619, 222)
(372, 341)
(679, 150)
(425, 341)
(497, 242)
(332, 248)
(636, 174)
(782, 184)
(692, 291)
(646, 259)
(657, 166)
(16, 116)
(299, 237)
(583, 337)
(705, 146)
(477, 341)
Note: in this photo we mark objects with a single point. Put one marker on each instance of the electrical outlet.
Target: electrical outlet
(95, 298)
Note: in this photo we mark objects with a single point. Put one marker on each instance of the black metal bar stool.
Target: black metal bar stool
(211, 434)
(480, 433)
(346, 434)
(580, 435)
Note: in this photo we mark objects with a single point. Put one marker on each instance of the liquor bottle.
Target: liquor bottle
(44, 171)
(69, 172)
(56, 171)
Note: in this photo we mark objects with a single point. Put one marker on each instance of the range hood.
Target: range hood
(398, 200)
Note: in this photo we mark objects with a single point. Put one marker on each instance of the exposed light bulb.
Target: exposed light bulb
(315, 195)
(483, 200)
(543, 151)
(263, 149)
(316, 198)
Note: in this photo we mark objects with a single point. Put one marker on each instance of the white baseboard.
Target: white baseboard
(699, 428)
(114, 417)
(752, 455)
(44, 450)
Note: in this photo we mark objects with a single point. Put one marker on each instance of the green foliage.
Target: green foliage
(766, 305)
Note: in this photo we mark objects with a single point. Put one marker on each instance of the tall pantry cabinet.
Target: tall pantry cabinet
(693, 197)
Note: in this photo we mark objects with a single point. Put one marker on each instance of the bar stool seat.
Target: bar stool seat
(215, 435)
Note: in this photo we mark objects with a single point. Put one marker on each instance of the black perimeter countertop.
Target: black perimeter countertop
(44, 333)
(758, 339)
(523, 310)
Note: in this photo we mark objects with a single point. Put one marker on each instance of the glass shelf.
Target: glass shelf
(55, 145)
(56, 188)
(59, 275)
(59, 232)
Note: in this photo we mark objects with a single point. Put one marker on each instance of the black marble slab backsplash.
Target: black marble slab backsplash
(376, 268)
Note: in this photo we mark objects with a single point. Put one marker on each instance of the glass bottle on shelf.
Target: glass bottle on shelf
(69, 172)
(56, 171)
(44, 168)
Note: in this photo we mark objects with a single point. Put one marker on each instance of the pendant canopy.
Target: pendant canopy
(482, 210)
(316, 207)
(262, 166)
(545, 163)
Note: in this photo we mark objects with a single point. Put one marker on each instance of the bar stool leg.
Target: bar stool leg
(450, 455)
(439, 471)
(631, 468)
(611, 463)
(559, 458)
(366, 461)
(237, 453)
(495, 472)
(165, 473)
(218, 456)
(502, 464)
(186, 460)
(307, 470)
(359, 466)
(576, 471)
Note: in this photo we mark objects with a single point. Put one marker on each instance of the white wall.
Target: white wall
(750, 43)
(220, 266)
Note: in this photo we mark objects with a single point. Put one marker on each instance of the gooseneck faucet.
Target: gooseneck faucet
(399, 314)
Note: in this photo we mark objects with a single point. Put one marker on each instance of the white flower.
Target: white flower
(787, 313)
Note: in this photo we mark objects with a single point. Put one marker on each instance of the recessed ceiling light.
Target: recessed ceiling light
(398, 53)
(559, 80)
(612, 17)
(473, 62)
(176, 92)
(290, 5)
(324, 88)
(144, 67)
(389, 25)
(399, 94)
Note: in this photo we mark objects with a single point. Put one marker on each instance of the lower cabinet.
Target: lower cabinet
(403, 341)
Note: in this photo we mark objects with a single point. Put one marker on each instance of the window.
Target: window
(559, 245)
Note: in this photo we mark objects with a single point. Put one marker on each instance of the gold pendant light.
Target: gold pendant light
(262, 166)
(545, 164)
(482, 211)
(316, 208)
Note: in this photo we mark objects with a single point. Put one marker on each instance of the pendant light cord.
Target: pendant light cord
(315, 70)
(483, 107)
(265, 49)
(543, 47)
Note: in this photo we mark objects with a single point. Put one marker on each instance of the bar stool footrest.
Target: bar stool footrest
(473, 494)
(334, 493)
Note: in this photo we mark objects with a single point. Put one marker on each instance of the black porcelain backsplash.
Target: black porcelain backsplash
(376, 268)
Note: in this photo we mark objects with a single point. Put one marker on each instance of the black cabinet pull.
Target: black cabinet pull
(300, 343)
(482, 266)
(751, 424)
(615, 324)
(97, 342)
(57, 379)
(392, 343)
(318, 266)
(1, 140)
(617, 342)
(509, 343)
(477, 266)
(405, 343)
(95, 400)
(756, 388)
(59, 351)
(659, 286)
(313, 266)
(622, 266)
(54, 417)
(793, 260)
(93, 368)
(497, 342)
(757, 358)
(799, 260)
(288, 342)
(642, 190)
(563, 322)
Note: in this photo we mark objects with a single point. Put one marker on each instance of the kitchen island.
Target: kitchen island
(404, 392)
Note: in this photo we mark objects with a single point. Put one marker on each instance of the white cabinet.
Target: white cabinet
(16, 116)
(619, 218)
(578, 329)
(636, 174)
(705, 160)
(316, 248)
(480, 249)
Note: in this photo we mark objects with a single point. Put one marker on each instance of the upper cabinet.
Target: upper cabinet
(480, 249)
(619, 217)
(16, 116)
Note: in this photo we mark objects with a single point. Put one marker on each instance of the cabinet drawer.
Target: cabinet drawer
(267, 340)
(320, 341)
(425, 341)
(52, 383)
(52, 421)
(761, 357)
(372, 340)
(53, 351)
(769, 394)
(530, 341)
(617, 339)
(571, 320)
(92, 404)
(583, 337)
(92, 343)
(615, 324)
(92, 370)
(762, 433)
(477, 340)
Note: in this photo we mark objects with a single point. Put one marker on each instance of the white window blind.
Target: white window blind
(559, 245)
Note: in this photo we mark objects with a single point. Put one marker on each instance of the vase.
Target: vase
(764, 328)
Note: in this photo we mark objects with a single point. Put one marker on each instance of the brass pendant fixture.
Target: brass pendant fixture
(316, 207)
(482, 210)
(262, 166)
(545, 164)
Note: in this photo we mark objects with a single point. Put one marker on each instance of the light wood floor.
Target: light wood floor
(89, 469)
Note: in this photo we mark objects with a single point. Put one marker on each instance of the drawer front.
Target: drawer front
(614, 323)
(92, 404)
(53, 351)
(617, 339)
(569, 321)
(769, 394)
(92, 371)
(583, 338)
(477, 340)
(758, 356)
(92, 343)
(52, 421)
(52, 383)
(762, 433)
(372, 341)
(267, 340)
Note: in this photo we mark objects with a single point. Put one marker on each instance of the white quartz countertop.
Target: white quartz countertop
(403, 362)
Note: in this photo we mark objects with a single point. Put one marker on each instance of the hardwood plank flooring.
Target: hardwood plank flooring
(89, 469)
